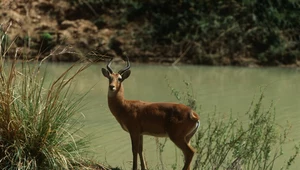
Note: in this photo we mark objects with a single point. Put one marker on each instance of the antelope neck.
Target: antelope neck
(116, 100)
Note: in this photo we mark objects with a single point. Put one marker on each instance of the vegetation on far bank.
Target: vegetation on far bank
(233, 32)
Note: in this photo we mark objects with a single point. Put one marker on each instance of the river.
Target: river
(225, 89)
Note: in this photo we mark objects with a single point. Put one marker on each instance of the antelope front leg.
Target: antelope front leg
(135, 142)
(143, 165)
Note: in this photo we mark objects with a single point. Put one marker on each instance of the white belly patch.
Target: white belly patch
(155, 134)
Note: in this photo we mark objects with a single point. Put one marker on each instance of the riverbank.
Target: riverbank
(155, 31)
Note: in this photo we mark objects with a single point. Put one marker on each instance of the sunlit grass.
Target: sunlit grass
(37, 125)
(40, 123)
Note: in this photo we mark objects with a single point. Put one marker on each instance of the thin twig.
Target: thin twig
(182, 54)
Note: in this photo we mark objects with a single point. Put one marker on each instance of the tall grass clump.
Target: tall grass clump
(225, 142)
(38, 124)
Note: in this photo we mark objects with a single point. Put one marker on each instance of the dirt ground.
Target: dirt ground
(42, 27)
(58, 30)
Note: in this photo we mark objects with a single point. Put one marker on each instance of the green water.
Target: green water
(225, 89)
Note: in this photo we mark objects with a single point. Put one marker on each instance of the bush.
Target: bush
(39, 127)
(266, 31)
(232, 144)
(228, 143)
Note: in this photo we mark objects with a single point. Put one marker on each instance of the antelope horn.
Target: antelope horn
(108, 66)
(126, 68)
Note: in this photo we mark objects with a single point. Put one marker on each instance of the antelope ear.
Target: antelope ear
(125, 75)
(105, 73)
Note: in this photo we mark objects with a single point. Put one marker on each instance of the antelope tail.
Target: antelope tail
(194, 116)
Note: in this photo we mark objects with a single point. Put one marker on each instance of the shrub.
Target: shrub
(266, 31)
(39, 127)
(226, 142)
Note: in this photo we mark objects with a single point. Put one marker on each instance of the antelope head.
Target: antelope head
(116, 79)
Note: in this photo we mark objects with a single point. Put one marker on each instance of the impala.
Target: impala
(138, 118)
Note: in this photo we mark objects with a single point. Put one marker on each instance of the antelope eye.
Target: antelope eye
(120, 79)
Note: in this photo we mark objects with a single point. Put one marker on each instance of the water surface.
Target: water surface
(225, 89)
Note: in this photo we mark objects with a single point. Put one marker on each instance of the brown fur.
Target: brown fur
(177, 121)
